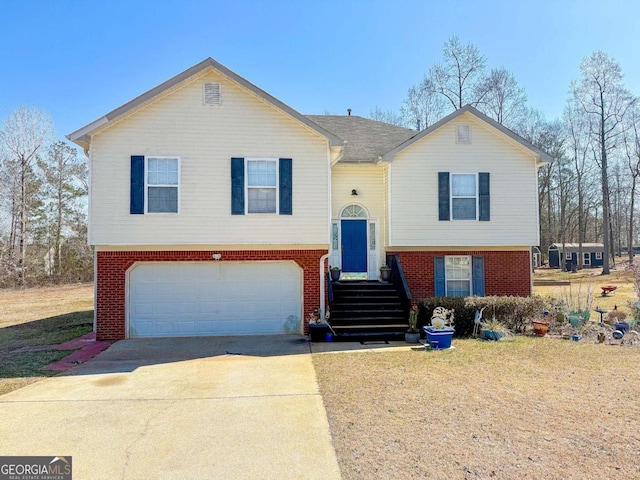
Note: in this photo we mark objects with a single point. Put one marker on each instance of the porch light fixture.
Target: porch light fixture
(354, 192)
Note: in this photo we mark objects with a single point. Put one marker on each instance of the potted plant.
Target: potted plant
(617, 318)
(413, 334)
(540, 327)
(440, 332)
(335, 273)
(493, 329)
(577, 304)
(385, 273)
(318, 330)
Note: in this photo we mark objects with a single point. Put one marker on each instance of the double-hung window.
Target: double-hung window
(262, 186)
(458, 276)
(162, 184)
(464, 196)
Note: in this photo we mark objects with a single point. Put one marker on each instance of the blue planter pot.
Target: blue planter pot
(491, 335)
(439, 339)
(622, 326)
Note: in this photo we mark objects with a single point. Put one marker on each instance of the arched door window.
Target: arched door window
(354, 211)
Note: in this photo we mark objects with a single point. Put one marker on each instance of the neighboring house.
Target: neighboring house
(214, 207)
(560, 254)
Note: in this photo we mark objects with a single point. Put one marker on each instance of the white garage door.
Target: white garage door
(180, 299)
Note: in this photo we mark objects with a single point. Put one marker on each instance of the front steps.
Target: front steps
(367, 309)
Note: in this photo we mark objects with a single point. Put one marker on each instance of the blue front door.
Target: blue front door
(354, 246)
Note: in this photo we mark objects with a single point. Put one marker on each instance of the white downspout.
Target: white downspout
(322, 278)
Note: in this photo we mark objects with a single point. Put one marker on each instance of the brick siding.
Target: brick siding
(112, 268)
(505, 273)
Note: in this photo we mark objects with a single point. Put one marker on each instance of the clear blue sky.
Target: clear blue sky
(80, 59)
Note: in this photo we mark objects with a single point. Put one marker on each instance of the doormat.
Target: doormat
(380, 342)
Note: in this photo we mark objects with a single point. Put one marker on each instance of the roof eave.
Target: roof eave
(83, 134)
(543, 157)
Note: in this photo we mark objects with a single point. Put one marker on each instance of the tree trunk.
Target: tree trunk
(580, 223)
(630, 250)
(58, 232)
(605, 192)
(22, 245)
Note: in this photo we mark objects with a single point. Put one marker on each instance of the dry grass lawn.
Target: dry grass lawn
(591, 278)
(39, 316)
(532, 408)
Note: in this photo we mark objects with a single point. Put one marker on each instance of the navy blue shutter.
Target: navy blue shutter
(485, 204)
(237, 186)
(286, 196)
(443, 196)
(478, 276)
(136, 200)
(439, 277)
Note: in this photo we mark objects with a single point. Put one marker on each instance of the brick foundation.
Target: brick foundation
(505, 273)
(112, 268)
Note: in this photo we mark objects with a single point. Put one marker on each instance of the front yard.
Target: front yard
(529, 408)
(39, 316)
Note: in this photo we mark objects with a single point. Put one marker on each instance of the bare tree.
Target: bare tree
(459, 78)
(64, 176)
(578, 146)
(632, 152)
(536, 129)
(386, 116)
(505, 100)
(24, 134)
(423, 106)
(603, 97)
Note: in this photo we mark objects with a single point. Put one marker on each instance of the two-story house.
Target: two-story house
(215, 209)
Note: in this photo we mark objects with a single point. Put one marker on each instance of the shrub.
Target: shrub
(615, 316)
(514, 312)
(463, 316)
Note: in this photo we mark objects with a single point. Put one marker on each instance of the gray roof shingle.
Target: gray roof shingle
(366, 140)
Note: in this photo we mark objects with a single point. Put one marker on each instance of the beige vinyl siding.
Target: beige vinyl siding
(414, 189)
(205, 137)
(368, 181)
(385, 193)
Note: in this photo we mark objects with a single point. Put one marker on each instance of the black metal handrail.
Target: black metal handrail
(398, 279)
(329, 287)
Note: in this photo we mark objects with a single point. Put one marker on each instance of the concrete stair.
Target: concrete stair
(367, 308)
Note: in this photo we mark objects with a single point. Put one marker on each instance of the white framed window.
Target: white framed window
(354, 211)
(586, 258)
(162, 185)
(334, 236)
(458, 275)
(261, 185)
(598, 255)
(464, 196)
(372, 236)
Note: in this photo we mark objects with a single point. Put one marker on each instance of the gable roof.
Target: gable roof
(82, 136)
(543, 156)
(366, 140)
(596, 247)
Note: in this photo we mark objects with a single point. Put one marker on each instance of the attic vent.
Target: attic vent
(212, 94)
(463, 134)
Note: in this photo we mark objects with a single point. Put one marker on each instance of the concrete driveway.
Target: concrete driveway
(197, 408)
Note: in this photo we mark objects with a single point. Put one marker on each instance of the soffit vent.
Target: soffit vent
(463, 134)
(211, 94)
